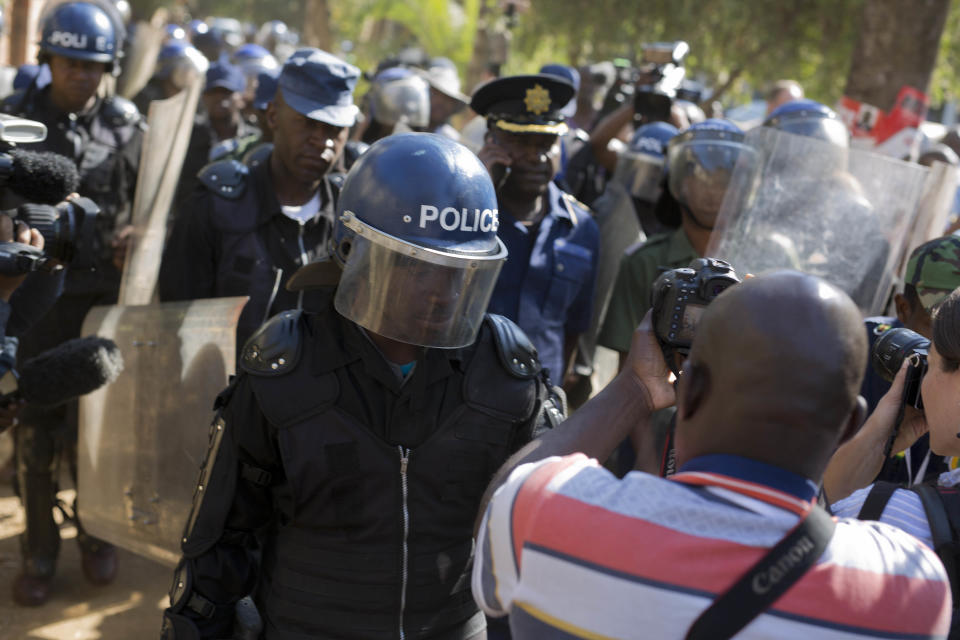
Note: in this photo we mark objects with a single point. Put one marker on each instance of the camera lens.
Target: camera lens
(892, 347)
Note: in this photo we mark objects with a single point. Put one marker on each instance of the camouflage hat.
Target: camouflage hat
(934, 270)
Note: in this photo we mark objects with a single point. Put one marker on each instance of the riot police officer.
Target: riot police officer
(247, 227)
(357, 440)
(103, 135)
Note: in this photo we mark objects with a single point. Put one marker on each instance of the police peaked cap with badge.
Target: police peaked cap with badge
(525, 104)
(82, 31)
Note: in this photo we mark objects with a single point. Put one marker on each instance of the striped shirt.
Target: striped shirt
(570, 551)
(904, 509)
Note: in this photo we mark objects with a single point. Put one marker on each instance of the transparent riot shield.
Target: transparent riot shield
(142, 439)
(169, 125)
(842, 214)
(141, 55)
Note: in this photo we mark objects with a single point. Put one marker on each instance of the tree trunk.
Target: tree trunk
(897, 46)
(316, 25)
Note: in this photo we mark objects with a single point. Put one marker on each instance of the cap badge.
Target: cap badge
(537, 100)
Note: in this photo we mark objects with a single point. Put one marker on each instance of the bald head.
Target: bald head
(774, 371)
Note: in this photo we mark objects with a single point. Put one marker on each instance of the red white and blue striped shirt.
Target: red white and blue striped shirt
(570, 551)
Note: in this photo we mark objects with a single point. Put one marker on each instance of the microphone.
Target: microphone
(42, 177)
(69, 370)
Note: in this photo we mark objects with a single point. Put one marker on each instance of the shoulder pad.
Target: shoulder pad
(227, 178)
(258, 154)
(274, 348)
(223, 148)
(120, 111)
(517, 354)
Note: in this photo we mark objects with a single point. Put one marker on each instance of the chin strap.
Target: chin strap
(693, 218)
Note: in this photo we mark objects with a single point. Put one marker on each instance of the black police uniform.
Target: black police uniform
(232, 239)
(361, 485)
(203, 139)
(105, 143)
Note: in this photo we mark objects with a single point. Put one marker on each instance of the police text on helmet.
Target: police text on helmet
(71, 40)
(462, 219)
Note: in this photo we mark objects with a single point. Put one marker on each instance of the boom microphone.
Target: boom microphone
(69, 370)
(43, 177)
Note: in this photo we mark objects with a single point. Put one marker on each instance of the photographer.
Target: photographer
(858, 462)
(767, 393)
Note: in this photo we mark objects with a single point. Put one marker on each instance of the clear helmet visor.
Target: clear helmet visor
(640, 174)
(700, 171)
(414, 294)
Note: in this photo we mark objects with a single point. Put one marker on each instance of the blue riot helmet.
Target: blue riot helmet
(640, 169)
(809, 118)
(398, 96)
(700, 163)
(416, 233)
(253, 58)
(230, 30)
(82, 31)
(180, 63)
(174, 33)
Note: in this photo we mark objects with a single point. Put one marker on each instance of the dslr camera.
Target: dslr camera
(679, 297)
(889, 352)
(663, 75)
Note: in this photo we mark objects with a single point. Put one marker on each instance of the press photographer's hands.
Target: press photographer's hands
(16, 231)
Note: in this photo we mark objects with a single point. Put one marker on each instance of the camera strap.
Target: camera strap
(767, 580)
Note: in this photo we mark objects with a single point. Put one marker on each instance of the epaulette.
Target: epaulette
(517, 354)
(120, 112)
(570, 202)
(13, 102)
(336, 181)
(274, 348)
(227, 178)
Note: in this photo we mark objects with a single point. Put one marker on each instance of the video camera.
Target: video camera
(663, 73)
(45, 181)
(59, 225)
(678, 299)
(889, 352)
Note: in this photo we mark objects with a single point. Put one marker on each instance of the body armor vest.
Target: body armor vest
(380, 544)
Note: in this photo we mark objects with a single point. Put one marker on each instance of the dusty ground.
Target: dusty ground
(129, 608)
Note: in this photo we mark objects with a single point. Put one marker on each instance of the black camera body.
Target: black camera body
(889, 352)
(60, 227)
(663, 66)
(679, 297)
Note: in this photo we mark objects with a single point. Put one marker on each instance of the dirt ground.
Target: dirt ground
(129, 608)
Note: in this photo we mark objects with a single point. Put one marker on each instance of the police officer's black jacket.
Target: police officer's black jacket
(232, 239)
(363, 487)
(105, 143)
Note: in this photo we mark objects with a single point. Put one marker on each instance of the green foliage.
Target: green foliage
(946, 75)
(441, 27)
(751, 42)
